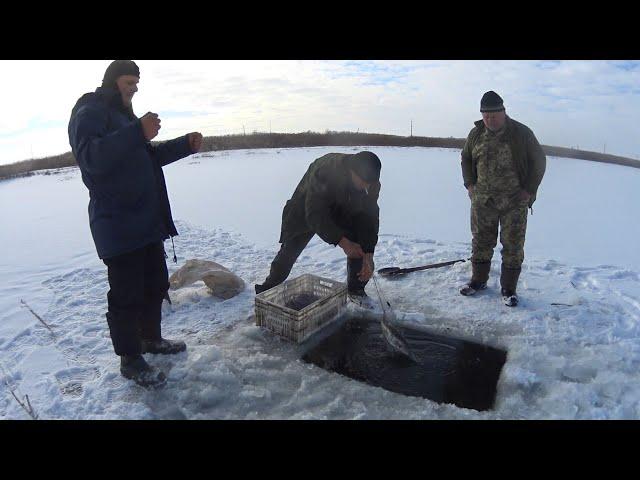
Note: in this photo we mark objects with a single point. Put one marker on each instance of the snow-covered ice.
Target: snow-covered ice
(573, 343)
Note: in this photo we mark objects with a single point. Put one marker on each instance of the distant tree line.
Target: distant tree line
(28, 167)
(312, 139)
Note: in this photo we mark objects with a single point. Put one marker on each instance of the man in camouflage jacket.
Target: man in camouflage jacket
(502, 166)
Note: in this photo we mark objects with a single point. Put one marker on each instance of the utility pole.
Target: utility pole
(604, 150)
(411, 128)
(243, 131)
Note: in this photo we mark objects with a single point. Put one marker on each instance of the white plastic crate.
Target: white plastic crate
(298, 325)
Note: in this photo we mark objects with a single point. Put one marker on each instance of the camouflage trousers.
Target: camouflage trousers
(487, 212)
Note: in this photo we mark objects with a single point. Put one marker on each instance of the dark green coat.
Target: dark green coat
(327, 203)
(527, 154)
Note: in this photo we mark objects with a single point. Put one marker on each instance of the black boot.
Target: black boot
(479, 277)
(134, 367)
(510, 298)
(509, 282)
(163, 346)
(354, 286)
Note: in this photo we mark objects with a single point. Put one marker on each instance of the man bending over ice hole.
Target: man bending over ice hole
(336, 199)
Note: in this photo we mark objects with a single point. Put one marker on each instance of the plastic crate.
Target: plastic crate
(298, 325)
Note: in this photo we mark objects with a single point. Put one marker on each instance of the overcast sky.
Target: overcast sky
(593, 105)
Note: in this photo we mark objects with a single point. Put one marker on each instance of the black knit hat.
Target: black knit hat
(366, 165)
(116, 69)
(491, 102)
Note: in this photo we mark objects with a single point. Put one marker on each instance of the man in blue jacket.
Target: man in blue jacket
(129, 212)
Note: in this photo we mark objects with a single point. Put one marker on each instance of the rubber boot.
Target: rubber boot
(355, 287)
(508, 283)
(479, 276)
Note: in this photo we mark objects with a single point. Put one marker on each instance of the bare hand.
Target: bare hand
(524, 196)
(351, 249)
(195, 141)
(470, 190)
(367, 268)
(150, 125)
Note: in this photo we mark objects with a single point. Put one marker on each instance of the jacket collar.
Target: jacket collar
(508, 125)
(113, 99)
(111, 96)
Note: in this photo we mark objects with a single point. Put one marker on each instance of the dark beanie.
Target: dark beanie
(366, 165)
(491, 102)
(116, 69)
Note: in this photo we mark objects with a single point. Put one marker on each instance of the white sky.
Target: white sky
(585, 104)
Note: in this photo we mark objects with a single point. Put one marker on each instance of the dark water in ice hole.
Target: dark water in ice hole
(448, 370)
(298, 302)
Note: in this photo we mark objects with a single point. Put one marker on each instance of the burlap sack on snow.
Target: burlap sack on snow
(221, 281)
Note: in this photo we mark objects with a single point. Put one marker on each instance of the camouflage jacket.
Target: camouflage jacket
(327, 203)
(528, 156)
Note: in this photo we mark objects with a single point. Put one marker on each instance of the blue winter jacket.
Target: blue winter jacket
(128, 201)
